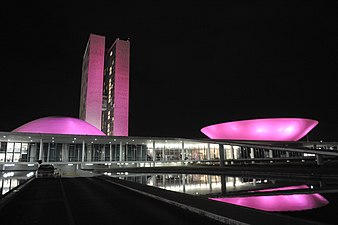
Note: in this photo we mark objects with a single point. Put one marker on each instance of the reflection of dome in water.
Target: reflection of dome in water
(273, 129)
(59, 125)
(279, 203)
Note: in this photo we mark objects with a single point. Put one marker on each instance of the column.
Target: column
(48, 152)
(154, 153)
(208, 152)
(83, 151)
(64, 153)
(252, 153)
(89, 154)
(223, 184)
(183, 182)
(221, 155)
(232, 152)
(110, 152)
(183, 151)
(164, 181)
(115, 152)
(210, 183)
(163, 150)
(270, 154)
(32, 153)
(121, 152)
(319, 159)
(103, 152)
(41, 150)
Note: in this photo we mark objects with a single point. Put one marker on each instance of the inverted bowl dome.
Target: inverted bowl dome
(272, 129)
(59, 125)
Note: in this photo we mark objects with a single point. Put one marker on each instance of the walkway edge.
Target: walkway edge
(10, 196)
(213, 216)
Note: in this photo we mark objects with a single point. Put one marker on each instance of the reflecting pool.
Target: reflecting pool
(310, 199)
(11, 179)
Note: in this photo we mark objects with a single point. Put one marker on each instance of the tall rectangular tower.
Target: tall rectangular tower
(92, 81)
(115, 115)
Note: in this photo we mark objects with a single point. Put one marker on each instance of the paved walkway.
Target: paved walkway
(226, 213)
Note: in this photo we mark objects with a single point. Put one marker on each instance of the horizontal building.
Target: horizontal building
(25, 149)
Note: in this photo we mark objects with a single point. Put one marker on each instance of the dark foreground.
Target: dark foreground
(106, 200)
(90, 201)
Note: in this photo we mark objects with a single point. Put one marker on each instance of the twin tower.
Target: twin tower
(104, 100)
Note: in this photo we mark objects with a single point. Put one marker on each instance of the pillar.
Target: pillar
(319, 159)
(270, 154)
(121, 152)
(183, 182)
(208, 152)
(103, 153)
(64, 153)
(221, 155)
(89, 155)
(154, 153)
(252, 153)
(223, 184)
(32, 153)
(83, 151)
(210, 183)
(41, 150)
(163, 150)
(48, 152)
(110, 152)
(183, 151)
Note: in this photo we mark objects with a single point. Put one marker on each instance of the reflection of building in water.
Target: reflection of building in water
(199, 184)
(10, 180)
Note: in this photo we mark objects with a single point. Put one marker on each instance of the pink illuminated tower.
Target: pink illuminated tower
(116, 89)
(105, 86)
(92, 80)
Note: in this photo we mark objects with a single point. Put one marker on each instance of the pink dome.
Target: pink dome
(59, 125)
(276, 129)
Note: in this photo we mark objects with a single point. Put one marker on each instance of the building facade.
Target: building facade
(92, 81)
(115, 115)
(104, 100)
(91, 151)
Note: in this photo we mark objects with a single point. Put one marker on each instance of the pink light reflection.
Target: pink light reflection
(59, 125)
(273, 129)
(288, 188)
(279, 203)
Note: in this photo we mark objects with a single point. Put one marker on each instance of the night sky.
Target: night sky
(193, 63)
